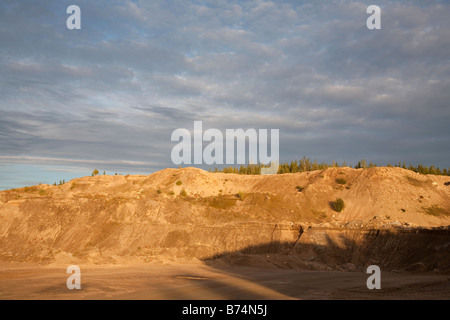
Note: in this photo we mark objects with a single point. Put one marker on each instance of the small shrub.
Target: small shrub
(41, 192)
(338, 205)
(73, 185)
(222, 202)
(341, 181)
(158, 191)
(30, 189)
(179, 183)
(436, 211)
(171, 193)
(299, 188)
(183, 193)
(240, 195)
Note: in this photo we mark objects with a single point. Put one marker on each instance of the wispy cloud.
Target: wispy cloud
(44, 160)
(112, 92)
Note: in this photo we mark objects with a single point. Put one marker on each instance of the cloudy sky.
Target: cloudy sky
(109, 96)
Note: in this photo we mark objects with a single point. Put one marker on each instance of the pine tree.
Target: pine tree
(315, 165)
(432, 170)
(363, 164)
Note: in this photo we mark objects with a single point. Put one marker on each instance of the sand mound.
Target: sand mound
(190, 213)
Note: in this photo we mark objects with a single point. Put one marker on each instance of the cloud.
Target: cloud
(44, 160)
(137, 70)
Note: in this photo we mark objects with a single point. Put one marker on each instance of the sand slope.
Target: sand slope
(125, 219)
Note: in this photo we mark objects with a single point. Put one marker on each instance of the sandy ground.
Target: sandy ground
(198, 281)
(392, 217)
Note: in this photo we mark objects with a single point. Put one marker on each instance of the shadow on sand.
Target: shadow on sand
(412, 257)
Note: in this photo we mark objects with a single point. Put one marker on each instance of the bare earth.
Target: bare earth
(196, 281)
(190, 234)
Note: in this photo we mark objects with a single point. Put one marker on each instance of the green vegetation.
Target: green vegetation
(338, 205)
(240, 195)
(95, 172)
(341, 181)
(183, 193)
(171, 193)
(158, 191)
(305, 164)
(41, 192)
(299, 188)
(30, 189)
(61, 182)
(222, 202)
(179, 183)
(436, 211)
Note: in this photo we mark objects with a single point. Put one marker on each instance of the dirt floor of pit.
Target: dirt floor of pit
(199, 281)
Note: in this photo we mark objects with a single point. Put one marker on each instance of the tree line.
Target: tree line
(305, 164)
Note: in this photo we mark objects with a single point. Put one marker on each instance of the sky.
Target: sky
(109, 96)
